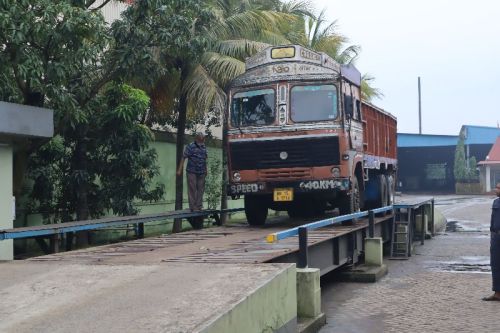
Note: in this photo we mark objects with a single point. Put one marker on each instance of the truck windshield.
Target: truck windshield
(253, 108)
(313, 103)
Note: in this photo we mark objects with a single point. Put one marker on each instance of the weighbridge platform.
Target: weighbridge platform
(219, 279)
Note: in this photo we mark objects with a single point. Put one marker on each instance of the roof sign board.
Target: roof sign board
(291, 53)
(283, 52)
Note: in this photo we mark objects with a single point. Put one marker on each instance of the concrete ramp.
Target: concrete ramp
(167, 297)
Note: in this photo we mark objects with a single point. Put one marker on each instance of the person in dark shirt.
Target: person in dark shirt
(495, 247)
(196, 154)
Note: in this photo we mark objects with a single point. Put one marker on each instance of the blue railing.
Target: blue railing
(62, 228)
(276, 236)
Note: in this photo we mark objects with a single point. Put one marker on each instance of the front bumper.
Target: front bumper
(306, 186)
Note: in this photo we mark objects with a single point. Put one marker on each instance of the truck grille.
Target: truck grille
(302, 152)
(276, 174)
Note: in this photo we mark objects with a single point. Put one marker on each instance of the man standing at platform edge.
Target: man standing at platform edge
(196, 154)
(495, 247)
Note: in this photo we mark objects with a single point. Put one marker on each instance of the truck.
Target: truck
(301, 139)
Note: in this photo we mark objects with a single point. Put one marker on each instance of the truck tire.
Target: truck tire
(351, 203)
(255, 210)
(383, 195)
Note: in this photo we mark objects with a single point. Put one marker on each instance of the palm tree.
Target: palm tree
(368, 91)
(240, 29)
(322, 36)
(328, 40)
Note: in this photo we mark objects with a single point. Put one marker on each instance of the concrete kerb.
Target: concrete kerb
(271, 306)
(374, 251)
(310, 317)
(308, 292)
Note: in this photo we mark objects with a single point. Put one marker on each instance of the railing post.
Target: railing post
(54, 243)
(422, 223)
(140, 230)
(371, 224)
(433, 228)
(303, 250)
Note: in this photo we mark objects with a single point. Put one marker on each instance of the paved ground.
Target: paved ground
(69, 297)
(438, 290)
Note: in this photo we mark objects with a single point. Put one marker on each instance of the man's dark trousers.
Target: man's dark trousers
(495, 244)
(495, 260)
(196, 188)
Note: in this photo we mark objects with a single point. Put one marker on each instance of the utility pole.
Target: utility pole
(419, 108)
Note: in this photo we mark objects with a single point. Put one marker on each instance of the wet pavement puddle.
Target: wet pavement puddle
(467, 264)
(464, 226)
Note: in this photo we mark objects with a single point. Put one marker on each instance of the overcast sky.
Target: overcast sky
(454, 46)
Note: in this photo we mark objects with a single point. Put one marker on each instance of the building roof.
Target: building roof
(479, 134)
(18, 120)
(426, 140)
(494, 154)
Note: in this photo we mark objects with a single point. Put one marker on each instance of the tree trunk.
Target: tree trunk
(181, 128)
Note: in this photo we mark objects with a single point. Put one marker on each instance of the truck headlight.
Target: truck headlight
(236, 176)
(335, 172)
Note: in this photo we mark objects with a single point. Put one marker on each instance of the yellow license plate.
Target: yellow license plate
(283, 194)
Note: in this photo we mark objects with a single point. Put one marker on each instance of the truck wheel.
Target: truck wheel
(351, 203)
(255, 210)
(383, 195)
(382, 200)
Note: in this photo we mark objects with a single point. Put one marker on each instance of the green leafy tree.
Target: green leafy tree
(213, 190)
(52, 63)
(119, 165)
(460, 166)
(472, 173)
(73, 62)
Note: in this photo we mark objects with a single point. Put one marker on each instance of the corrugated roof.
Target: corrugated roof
(494, 154)
(426, 140)
(480, 134)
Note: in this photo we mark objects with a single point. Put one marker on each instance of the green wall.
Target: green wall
(165, 148)
(6, 247)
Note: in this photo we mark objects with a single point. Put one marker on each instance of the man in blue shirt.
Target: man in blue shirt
(495, 247)
(196, 154)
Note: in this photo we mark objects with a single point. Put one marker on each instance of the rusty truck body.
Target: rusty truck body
(301, 139)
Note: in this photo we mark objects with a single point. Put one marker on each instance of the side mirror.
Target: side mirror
(348, 107)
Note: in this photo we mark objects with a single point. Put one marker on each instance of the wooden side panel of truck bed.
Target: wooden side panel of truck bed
(380, 128)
